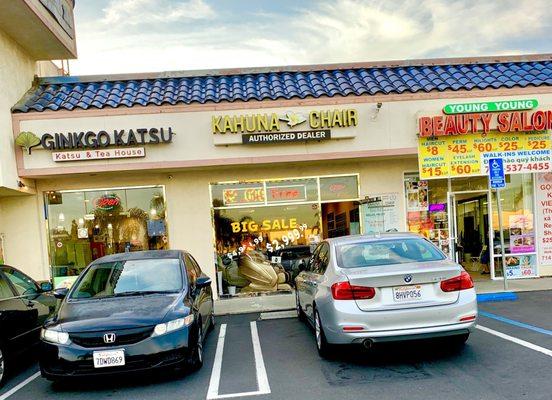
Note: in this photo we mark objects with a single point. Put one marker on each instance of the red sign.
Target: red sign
(107, 202)
(462, 124)
(286, 193)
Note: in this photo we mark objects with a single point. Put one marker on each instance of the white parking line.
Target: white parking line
(262, 379)
(514, 340)
(20, 386)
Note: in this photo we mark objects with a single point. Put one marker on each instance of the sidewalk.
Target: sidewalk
(516, 285)
(279, 302)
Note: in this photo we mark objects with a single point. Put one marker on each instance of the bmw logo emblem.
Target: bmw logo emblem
(408, 278)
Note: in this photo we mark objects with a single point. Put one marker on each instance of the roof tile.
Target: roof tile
(72, 93)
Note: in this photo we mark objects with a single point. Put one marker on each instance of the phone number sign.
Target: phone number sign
(468, 155)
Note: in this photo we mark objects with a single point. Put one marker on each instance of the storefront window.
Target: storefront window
(518, 224)
(426, 203)
(86, 225)
(265, 231)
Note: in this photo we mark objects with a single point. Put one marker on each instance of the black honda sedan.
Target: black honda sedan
(130, 312)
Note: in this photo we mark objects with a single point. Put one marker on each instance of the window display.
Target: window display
(518, 223)
(265, 231)
(426, 204)
(86, 225)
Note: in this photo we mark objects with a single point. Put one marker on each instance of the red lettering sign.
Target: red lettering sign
(461, 124)
(107, 202)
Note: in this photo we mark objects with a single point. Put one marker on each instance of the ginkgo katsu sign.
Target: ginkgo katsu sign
(96, 145)
(460, 142)
(281, 128)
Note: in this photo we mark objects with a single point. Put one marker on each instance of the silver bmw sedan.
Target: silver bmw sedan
(388, 287)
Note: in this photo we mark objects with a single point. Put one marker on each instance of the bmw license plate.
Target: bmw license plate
(403, 294)
(108, 358)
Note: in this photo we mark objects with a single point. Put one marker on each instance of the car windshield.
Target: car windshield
(129, 278)
(387, 252)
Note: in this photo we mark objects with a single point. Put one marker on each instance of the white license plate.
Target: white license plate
(109, 358)
(404, 294)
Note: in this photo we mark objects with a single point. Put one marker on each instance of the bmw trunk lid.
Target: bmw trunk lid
(401, 286)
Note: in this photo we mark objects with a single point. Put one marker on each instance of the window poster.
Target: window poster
(522, 234)
(380, 213)
(417, 195)
(544, 217)
(521, 266)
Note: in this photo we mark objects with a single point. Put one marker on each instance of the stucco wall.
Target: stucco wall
(17, 71)
(188, 203)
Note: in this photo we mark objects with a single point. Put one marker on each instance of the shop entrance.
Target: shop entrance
(340, 219)
(470, 231)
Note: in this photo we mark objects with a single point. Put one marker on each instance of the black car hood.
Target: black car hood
(115, 313)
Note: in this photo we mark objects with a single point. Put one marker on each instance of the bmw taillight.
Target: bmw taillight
(346, 291)
(460, 282)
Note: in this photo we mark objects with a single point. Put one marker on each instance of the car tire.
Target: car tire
(300, 314)
(195, 362)
(2, 366)
(325, 350)
(212, 322)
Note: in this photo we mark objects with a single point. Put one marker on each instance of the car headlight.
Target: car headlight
(53, 336)
(166, 327)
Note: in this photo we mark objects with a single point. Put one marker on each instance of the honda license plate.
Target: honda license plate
(403, 294)
(109, 358)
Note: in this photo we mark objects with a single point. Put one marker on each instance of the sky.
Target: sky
(127, 36)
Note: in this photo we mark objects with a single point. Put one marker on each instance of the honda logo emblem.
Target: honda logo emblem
(109, 338)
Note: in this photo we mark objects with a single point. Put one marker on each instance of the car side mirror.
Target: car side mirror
(203, 281)
(46, 287)
(60, 293)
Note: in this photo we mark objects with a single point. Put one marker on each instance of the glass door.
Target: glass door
(470, 229)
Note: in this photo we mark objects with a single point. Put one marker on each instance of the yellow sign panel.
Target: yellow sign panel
(467, 155)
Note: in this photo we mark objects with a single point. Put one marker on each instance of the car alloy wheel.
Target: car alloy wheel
(298, 309)
(199, 346)
(324, 348)
(318, 331)
(1, 367)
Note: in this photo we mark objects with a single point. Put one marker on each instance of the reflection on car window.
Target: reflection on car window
(132, 277)
(5, 291)
(396, 251)
(23, 284)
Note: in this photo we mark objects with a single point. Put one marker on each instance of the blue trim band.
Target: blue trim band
(515, 323)
(503, 296)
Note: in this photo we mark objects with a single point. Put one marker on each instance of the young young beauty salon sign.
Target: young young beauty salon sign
(462, 140)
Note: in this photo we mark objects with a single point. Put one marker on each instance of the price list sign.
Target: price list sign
(468, 155)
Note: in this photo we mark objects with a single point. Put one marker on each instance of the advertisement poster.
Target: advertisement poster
(521, 266)
(417, 196)
(522, 234)
(381, 213)
(544, 217)
(467, 155)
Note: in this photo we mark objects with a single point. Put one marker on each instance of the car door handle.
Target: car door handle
(30, 304)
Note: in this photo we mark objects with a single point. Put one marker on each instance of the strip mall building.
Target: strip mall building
(244, 167)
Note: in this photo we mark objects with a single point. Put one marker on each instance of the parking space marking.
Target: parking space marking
(515, 340)
(515, 323)
(20, 386)
(262, 377)
(263, 386)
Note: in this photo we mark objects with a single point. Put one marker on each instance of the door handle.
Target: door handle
(30, 304)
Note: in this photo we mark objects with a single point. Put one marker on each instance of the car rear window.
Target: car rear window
(387, 252)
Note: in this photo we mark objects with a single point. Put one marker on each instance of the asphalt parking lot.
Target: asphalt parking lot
(510, 357)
